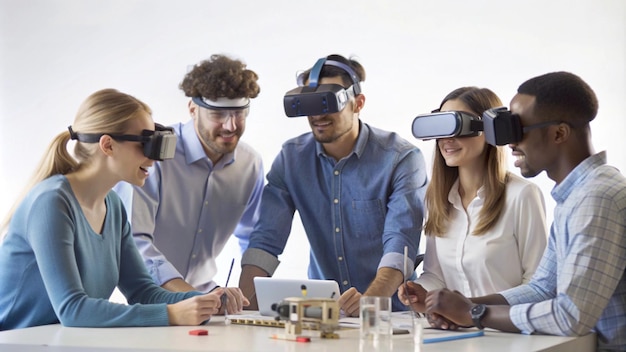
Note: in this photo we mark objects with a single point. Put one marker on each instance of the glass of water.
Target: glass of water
(375, 313)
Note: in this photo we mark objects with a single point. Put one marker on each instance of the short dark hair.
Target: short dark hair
(220, 77)
(334, 71)
(564, 94)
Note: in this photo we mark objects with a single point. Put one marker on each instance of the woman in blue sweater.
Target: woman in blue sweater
(69, 243)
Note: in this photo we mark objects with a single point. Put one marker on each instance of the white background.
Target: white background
(54, 53)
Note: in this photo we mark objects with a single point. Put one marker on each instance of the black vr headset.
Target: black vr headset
(500, 126)
(320, 99)
(159, 144)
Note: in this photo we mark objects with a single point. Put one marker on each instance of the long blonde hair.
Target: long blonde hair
(443, 176)
(105, 111)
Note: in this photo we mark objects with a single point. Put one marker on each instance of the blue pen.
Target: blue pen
(460, 335)
(232, 262)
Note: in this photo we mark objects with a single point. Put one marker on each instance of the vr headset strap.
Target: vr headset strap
(317, 69)
(315, 72)
(476, 125)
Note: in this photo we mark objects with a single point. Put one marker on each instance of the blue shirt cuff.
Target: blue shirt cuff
(519, 316)
(163, 271)
(261, 259)
(396, 261)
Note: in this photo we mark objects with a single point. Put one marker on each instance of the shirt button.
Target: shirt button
(199, 230)
(345, 282)
(340, 258)
(336, 201)
(336, 172)
(193, 256)
(336, 229)
(206, 202)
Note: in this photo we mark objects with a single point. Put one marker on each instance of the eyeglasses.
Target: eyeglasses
(222, 116)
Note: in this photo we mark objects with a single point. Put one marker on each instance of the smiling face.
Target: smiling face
(336, 127)
(531, 153)
(465, 151)
(132, 165)
(216, 138)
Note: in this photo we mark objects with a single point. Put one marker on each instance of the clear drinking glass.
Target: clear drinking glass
(375, 313)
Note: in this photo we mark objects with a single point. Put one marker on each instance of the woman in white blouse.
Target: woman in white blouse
(485, 227)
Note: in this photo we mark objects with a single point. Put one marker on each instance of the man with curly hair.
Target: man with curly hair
(190, 205)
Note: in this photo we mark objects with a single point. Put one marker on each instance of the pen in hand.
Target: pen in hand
(224, 298)
(405, 280)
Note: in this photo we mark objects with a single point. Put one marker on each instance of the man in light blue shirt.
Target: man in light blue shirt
(190, 205)
(359, 191)
(580, 284)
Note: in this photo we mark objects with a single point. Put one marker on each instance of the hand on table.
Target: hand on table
(195, 310)
(234, 299)
(349, 302)
(448, 310)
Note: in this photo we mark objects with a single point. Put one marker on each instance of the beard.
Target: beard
(331, 133)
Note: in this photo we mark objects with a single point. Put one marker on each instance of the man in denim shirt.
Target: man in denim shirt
(359, 192)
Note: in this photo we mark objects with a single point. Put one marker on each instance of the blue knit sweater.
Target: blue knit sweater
(55, 268)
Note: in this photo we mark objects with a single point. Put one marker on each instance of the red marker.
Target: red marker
(198, 332)
(297, 338)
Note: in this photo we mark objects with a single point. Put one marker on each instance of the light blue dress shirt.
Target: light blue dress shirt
(55, 268)
(580, 283)
(358, 212)
(188, 209)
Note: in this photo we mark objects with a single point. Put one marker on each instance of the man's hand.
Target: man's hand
(350, 301)
(414, 295)
(439, 322)
(448, 308)
(235, 301)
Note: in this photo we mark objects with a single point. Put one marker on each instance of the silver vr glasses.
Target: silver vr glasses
(320, 99)
(446, 124)
(500, 126)
(159, 144)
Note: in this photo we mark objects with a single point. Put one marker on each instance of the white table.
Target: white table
(234, 337)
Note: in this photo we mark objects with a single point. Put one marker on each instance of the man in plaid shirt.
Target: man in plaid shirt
(579, 286)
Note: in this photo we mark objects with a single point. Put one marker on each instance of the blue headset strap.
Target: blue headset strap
(317, 69)
(315, 72)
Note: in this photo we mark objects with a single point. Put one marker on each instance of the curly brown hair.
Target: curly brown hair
(220, 76)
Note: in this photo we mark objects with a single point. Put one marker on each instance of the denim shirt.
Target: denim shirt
(358, 213)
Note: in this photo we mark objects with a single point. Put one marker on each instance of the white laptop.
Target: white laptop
(271, 290)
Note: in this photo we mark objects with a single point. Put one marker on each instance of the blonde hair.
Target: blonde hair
(105, 111)
(443, 176)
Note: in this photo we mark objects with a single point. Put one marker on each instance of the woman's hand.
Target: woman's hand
(414, 295)
(195, 310)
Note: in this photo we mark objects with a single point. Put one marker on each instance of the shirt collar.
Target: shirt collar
(359, 147)
(561, 191)
(454, 197)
